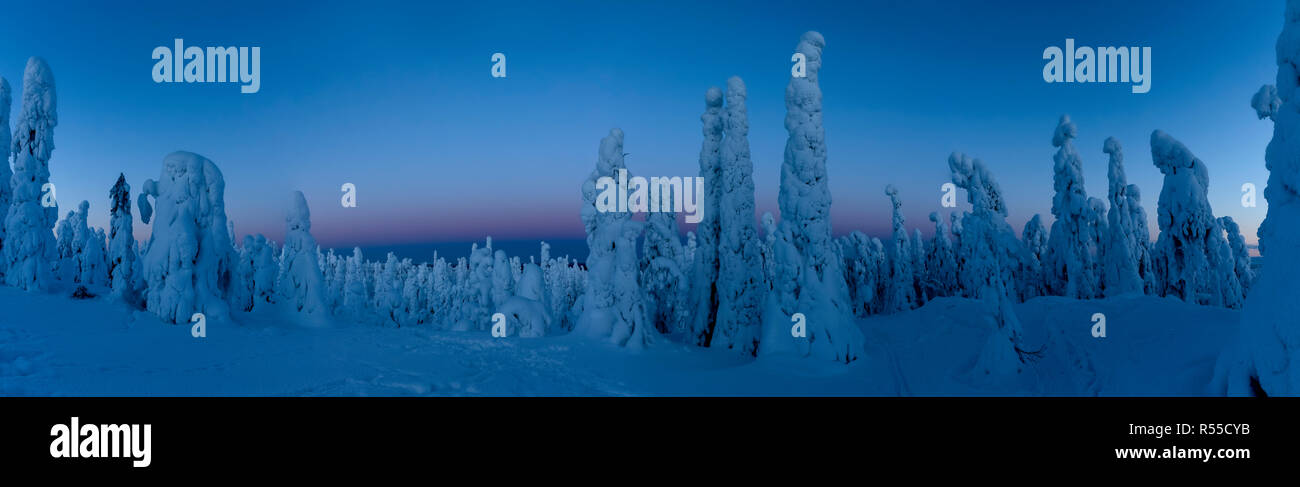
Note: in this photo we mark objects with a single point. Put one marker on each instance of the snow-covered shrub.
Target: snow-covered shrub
(815, 285)
(704, 291)
(187, 264)
(29, 242)
(1070, 264)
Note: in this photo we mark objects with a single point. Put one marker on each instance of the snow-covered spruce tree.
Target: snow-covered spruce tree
(917, 252)
(356, 292)
(704, 291)
(187, 263)
(1120, 269)
(1191, 245)
(503, 282)
(477, 299)
(1266, 358)
(900, 295)
(663, 274)
(1240, 254)
(808, 275)
(121, 243)
(29, 245)
(940, 261)
(1030, 279)
(613, 307)
(300, 284)
(1071, 261)
(6, 174)
(859, 274)
(991, 250)
(740, 265)
(1141, 240)
(70, 233)
(388, 291)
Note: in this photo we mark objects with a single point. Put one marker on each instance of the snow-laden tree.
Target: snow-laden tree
(70, 236)
(477, 299)
(188, 258)
(503, 281)
(6, 174)
(121, 243)
(900, 295)
(1070, 264)
(859, 274)
(808, 277)
(940, 261)
(1141, 240)
(92, 264)
(1266, 359)
(1030, 279)
(664, 274)
(388, 291)
(1240, 253)
(29, 245)
(526, 311)
(1120, 269)
(991, 252)
(300, 285)
(1188, 254)
(356, 292)
(613, 307)
(704, 290)
(740, 265)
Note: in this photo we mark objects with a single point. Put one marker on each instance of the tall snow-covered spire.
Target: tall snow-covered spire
(1120, 269)
(740, 267)
(29, 248)
(1070, 264)
(613, 308)
(809, 278)
(704, 294)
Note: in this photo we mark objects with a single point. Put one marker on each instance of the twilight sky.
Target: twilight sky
(397, 98)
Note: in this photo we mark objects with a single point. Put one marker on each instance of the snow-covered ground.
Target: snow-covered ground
(53, 345)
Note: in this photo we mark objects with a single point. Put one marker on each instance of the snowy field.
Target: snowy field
(54, 345)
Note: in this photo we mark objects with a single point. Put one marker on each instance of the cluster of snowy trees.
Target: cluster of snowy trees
(191, 264)
(727, 285)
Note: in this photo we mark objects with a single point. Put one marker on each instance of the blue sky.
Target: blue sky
(397, 98)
